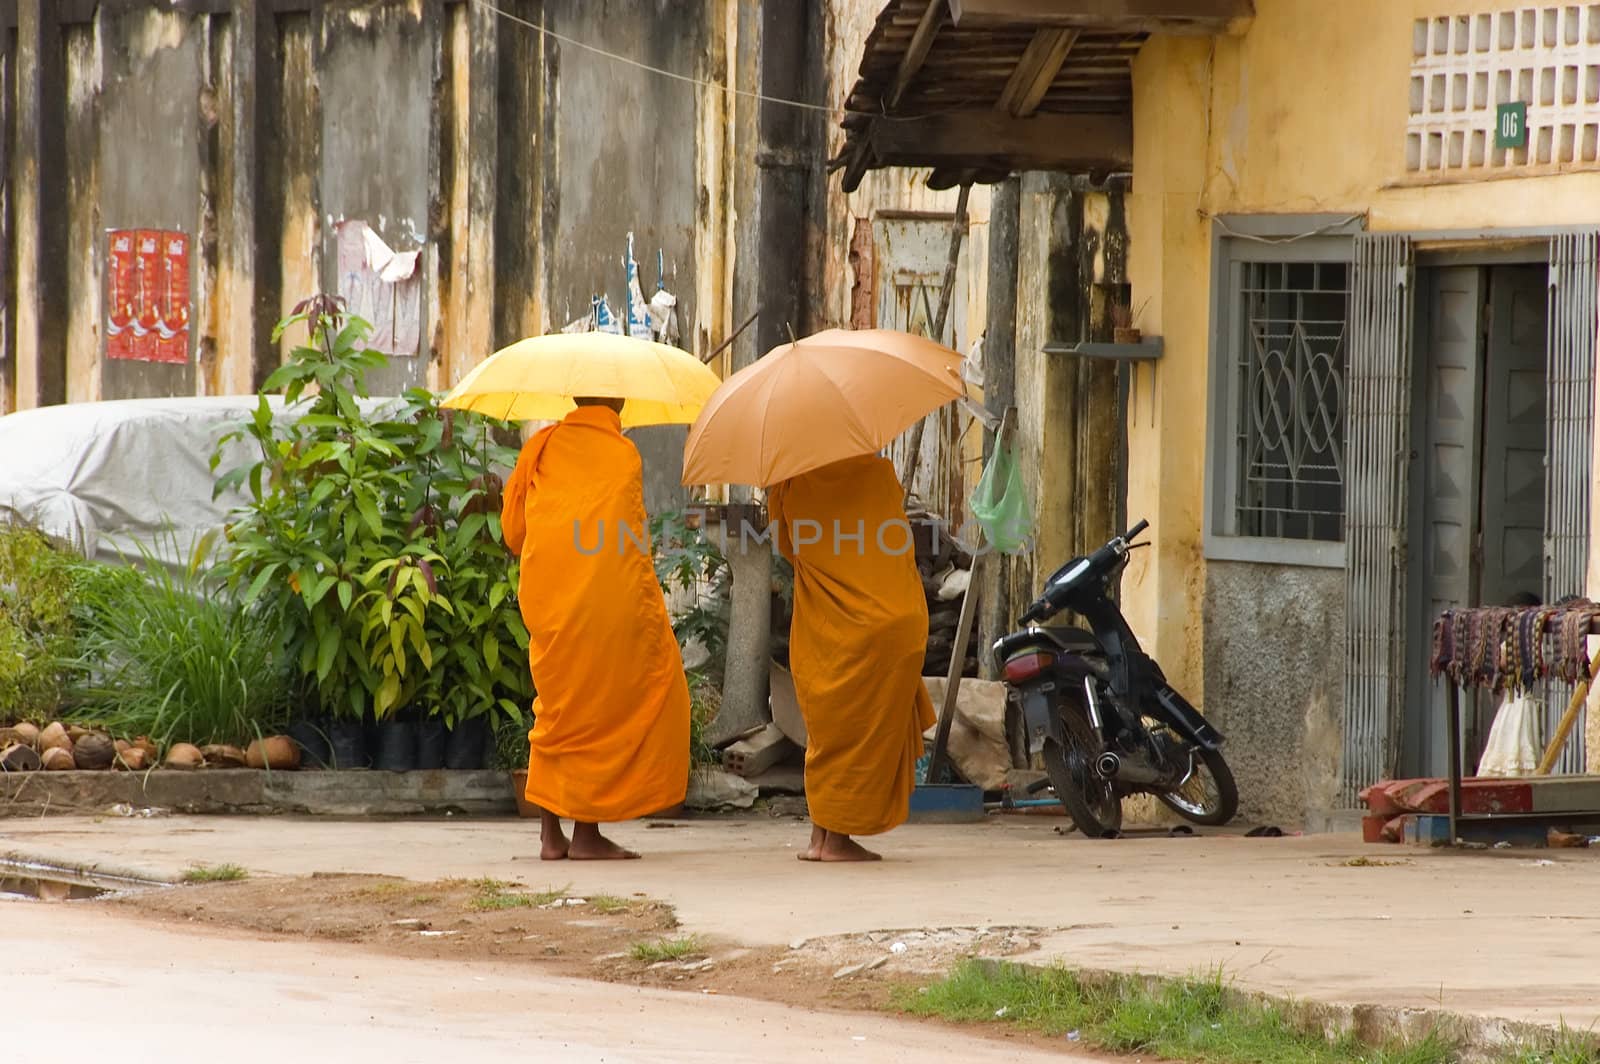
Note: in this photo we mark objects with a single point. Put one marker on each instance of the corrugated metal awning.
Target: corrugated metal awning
(977, 89)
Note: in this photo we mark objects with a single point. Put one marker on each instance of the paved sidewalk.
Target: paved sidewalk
(1513, 934)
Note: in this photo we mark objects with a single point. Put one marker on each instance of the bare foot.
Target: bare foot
(589, 845)
(553, 844)
(838, 848)
(813, 852)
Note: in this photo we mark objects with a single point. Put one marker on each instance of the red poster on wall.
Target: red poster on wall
(172, 327)
(120, 294)
(147, 295)
(147, 282)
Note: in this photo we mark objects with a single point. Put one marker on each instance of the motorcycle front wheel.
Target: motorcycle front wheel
(1209, 796)
(1092, 802)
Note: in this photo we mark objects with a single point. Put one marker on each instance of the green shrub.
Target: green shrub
(687, 560)
(36, 624)
(377, 543)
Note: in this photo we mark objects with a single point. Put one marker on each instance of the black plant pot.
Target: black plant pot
(468, 745)
(397, 746)
(310, 734)
(347, 740)
(432, 739)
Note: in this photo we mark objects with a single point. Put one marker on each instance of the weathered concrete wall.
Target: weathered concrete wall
(637, 175)
(379, 148)
(1274, 650)
(516, 164)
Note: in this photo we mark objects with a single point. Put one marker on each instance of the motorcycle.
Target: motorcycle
(1098, 708)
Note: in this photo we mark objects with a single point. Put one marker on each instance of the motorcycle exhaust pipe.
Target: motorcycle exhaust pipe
(1111, 767)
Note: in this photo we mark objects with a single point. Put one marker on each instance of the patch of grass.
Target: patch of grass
(1184, 1019)
(1371, 862)
(491, 895)
(223, 873)
(666, 949)
(609, 904)
(1191, 1019)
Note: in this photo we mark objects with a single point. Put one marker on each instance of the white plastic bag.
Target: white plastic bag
(1513, 747)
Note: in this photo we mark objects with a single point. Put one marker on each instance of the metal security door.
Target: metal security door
(1511, 560)
(1572, 328)
(911, 255)
(1449, 481)
(1379, 469)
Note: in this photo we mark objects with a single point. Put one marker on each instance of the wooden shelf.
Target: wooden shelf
(1147, 350)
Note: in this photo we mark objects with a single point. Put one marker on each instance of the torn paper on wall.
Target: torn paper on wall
(382, 287)
(638, 316)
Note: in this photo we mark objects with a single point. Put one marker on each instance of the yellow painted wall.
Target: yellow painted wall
(1305, 113)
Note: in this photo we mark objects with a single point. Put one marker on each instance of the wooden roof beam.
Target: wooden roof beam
(1036, 71)
(988, 139)
(916, 53)
(1206, 18)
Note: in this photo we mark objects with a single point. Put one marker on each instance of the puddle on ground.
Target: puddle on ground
(25, 881)
(38, 888)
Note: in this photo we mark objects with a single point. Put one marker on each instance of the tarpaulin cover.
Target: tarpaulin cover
(106, 477)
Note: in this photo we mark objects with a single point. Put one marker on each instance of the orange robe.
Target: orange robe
(610, 738)
(856, 646)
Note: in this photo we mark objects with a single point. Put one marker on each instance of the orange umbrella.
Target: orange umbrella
(835, 395)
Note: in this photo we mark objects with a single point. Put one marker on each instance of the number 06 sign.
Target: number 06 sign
(147, 295)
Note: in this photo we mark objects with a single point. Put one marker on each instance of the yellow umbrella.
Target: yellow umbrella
(834, 395)
(537, 379)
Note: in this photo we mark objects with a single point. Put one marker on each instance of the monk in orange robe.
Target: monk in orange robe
(610, 738)
(856, 647)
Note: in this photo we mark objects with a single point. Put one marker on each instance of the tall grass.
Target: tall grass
(170, 654)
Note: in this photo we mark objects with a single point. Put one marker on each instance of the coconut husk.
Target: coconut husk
(132, 759)
(19, 758)
(184, 756)
(123, 744)
(152, 753)
(53, 737)
(219, 756)
(58, 759)
(276, 752)
(29, 733)
(75, 732)
(94, 752)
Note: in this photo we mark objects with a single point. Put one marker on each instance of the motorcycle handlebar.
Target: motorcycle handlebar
(1134, 531)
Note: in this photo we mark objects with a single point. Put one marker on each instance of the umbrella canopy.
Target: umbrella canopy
(834, 395)
(537, 379)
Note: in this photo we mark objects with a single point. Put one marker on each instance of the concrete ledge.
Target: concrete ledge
(1477, 1038)
(224, 791)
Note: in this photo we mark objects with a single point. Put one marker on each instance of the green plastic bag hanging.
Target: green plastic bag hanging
(1000, 503)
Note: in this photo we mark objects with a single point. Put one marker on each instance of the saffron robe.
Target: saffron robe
(610, 739)
(857, 642)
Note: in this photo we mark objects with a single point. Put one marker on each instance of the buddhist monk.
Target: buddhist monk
(610, 738)
(859, 635)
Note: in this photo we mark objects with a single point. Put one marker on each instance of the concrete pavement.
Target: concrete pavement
(1512, 934)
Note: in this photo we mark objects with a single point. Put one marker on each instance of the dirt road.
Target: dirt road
(102, 987)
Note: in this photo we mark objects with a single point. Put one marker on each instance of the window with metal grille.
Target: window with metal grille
(1288, 398)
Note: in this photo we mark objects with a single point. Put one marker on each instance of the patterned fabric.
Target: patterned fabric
(1508, 648)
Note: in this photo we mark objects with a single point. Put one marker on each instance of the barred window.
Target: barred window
(1290, 358)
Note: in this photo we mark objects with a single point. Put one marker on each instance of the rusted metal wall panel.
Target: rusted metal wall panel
(8, 274)
(293, 192)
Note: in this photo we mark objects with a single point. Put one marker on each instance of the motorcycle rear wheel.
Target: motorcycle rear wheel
(1093, 803)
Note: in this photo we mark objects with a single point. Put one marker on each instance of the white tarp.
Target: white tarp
(105, 477)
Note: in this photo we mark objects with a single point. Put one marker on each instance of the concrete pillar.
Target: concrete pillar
(746, 672)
